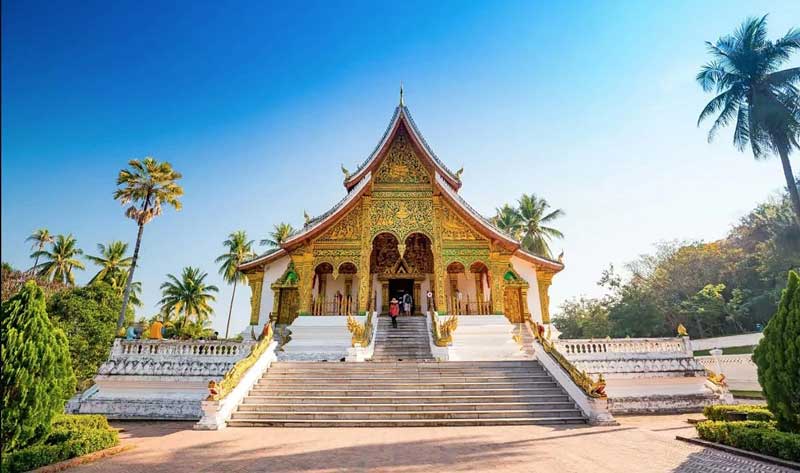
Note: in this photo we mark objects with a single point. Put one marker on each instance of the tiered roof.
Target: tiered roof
(358, 183)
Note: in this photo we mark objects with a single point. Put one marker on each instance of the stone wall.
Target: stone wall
(158, 379)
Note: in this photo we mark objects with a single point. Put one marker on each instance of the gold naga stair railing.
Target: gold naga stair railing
(218, 390)
(361, 333)
(592, 388)
(442, 332)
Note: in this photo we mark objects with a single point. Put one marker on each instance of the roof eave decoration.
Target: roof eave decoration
(402, 115)
(262, 259)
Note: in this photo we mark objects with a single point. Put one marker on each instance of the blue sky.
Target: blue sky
(589, 104)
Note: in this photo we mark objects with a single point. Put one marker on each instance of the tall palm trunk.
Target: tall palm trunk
(791, 183)
(230, 310)
(36, 261)
(129, 282)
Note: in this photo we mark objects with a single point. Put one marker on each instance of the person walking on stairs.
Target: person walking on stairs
(394, 311)
(407, 301)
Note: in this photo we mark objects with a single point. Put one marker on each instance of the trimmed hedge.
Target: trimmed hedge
(737, 412)
(755, 436)
(71, 436)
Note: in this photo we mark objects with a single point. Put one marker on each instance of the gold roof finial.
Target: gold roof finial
(402, 102)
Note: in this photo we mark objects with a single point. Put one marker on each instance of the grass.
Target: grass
(728, 351)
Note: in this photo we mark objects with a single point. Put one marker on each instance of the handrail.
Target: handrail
(218, 390)
(592, 388)
(361, 333)
(443, 331)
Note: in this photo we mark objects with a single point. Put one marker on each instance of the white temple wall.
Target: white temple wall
(424, 287)
(528, 272)
(272, 272)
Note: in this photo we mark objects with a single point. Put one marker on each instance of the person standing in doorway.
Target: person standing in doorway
(394, 311)
(408, 301)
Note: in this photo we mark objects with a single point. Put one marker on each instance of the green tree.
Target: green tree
(755, 94)
(778, 359)
(535, 217)
(111, 260)
(583, 318)
(61, 260)
(88, 317)
(238, 249)
(147, 185)
(280, 234)
(189, 296)
(508, 220)
(40, 238)
(37, 375)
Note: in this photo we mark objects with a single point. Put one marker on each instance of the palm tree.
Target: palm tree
(118, 281)
(112, 260)
(534, 214)
(762, 101)
(239, 249)
(61, 259)
(189, 295)
(148, 184)
(276, 238)
(507, 220)
(40, 238)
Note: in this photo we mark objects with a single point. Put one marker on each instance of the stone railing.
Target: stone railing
(174, 357)
(192, 348)
(218, 390)
(632, 356)
(599, 348)
(740, 371)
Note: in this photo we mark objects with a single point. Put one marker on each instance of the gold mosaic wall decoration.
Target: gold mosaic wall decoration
(401, 217)
(401, 165)
(348, 228)
(454, 228)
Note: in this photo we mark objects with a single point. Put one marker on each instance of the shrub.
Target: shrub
(778, 359)
(37, 375)
(737, 412)
(759, 437)
(88, 316)
(72, 436)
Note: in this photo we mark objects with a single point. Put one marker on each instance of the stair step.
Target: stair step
(361, 415)
(260, 399)
(405, 422)
(456, 406)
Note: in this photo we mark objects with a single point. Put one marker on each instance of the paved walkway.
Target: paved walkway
(639, 444)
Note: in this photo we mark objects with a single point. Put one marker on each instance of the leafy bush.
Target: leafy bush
(88, 316)
(759, 437)
(72, 436)
(778, 359)
(737, 412)
(37, 376)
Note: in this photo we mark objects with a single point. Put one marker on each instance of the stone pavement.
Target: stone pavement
(638, 444)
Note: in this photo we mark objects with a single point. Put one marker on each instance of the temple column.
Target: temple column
(255, 281)
(303, 264)
(438, 286)
(497, 267)
(364, 275)
(543, 279)
(416, 295)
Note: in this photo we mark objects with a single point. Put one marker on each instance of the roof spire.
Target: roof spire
(402, 102)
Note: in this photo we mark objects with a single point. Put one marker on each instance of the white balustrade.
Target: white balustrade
(182, 348)
(604, 348)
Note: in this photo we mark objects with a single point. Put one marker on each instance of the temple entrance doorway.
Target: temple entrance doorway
(399, 287)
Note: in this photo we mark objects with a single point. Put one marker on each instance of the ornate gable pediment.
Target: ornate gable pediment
(401, 165)
(454, 228)
(348, 228)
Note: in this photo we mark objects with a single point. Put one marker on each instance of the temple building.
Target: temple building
(319, 352)
(402, 227)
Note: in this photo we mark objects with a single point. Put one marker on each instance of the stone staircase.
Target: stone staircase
(407, 342)
(402, 394)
